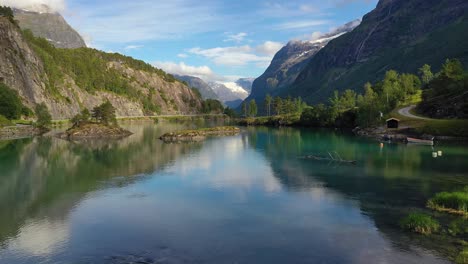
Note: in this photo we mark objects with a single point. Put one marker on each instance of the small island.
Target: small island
(199, 134)
(102, 123)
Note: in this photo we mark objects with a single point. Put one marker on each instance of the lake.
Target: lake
(250, 198)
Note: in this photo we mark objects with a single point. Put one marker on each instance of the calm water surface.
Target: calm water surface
(242, 199)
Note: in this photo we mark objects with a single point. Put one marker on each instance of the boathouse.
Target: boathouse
(392, 123)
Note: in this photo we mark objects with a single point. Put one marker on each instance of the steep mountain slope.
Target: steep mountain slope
(68, 80)
(51, 26)
(398, 34)
(290, 61)
(205, 90)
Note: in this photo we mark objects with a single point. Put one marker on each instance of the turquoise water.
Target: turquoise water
(249, 198)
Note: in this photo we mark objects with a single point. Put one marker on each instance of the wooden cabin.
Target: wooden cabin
(393, 123)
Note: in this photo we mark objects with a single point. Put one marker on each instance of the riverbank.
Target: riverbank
(442, 130)
(19, 131)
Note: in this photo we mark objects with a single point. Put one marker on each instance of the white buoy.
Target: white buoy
(439, 153)
(434, 154)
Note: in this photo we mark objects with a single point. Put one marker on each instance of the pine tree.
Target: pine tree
(268, 100)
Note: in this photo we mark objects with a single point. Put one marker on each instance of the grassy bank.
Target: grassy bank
(280, 120)
(436, 127)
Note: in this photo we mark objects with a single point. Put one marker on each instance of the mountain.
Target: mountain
(68, 80)
(290, 61)
(398, 34)
(204, 88)
(246, 83)
(49, 25)
(229, 93)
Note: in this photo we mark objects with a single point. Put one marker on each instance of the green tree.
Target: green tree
(8, 13)
(453, 69)
(368, 107)
(212, 106)
(410, 84)
(44, 119)
(230, 112)
(253, 108)
(10, 103)
(268, 100)
(426, 74)
(278, 105)
(105, 113)
(81, 118)
(244, 108)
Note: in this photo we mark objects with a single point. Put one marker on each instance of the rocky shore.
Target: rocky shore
(19, 131)
(199, 134)
(94, 131)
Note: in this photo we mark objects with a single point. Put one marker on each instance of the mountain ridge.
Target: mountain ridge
(397, 34)
(50, 25)
(68, 80)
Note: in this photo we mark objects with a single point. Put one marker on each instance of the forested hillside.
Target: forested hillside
(69, 80)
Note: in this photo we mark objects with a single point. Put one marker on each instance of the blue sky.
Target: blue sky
(214, 39)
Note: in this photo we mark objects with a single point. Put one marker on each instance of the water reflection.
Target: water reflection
(38, 173)
(245, 199)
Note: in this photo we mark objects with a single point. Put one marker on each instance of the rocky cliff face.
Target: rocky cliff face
(398, 34)
(23, 70)
(205, 90)
(51, 26)
(290, 61)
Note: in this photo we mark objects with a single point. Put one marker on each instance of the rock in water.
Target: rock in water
(94, 130)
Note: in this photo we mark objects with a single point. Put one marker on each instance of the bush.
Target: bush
(462, 257)
(452, 202)
(11, 106)
(420, 223)
(44, 119)
(4, 121)
(459, 227)
(81, 118)
(105, 113)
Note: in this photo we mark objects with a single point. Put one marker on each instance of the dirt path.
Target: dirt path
(406, 112)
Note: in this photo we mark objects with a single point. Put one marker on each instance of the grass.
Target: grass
(459, 227)
(451, 202)
(285, 120)
(436, 127)
(462, 258)
(5, 122)
(420, 223)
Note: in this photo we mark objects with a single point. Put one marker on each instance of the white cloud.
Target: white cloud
(302, 24)
(203, 72)
(269, 48)
(36, 5)
(113, 22)
(239, 37)
(236, 88)
(182, 55)
(232, 56)
(133, 47)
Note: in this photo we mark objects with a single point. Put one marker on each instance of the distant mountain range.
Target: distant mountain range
(204, 88)
(230, 93)
(49, 25)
